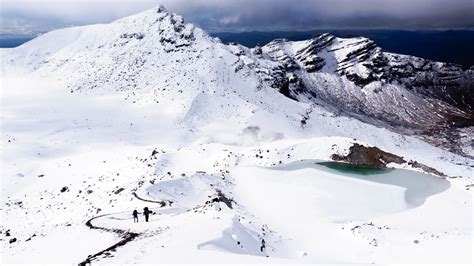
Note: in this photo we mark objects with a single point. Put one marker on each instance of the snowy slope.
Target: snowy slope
(151, 111)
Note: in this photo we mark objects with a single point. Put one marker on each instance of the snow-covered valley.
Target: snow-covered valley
(100, 120)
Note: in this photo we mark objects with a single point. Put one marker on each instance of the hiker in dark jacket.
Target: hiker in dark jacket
(135, 216)
(146, 213)
(262, 247)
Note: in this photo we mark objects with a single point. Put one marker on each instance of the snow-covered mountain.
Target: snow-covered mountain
(355, 77)
(394, 88)
(158, 51)
(224, 144)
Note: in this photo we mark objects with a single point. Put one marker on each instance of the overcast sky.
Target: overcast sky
(34, 16)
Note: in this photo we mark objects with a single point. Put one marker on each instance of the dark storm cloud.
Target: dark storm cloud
(303, 14)
(225, 15)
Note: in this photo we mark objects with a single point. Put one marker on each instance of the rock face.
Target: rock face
(368, 156)
(157, 54)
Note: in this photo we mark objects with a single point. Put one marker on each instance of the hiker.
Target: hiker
(135, 216)
(262, 247)
(146, 213)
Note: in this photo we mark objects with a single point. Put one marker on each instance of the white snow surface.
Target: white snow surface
(153, 106)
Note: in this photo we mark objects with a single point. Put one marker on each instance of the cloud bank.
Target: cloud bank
(244, 15)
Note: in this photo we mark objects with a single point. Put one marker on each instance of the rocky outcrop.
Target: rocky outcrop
(368, 156)
(361, 155)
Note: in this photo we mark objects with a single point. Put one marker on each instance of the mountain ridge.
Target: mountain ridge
(352, 76)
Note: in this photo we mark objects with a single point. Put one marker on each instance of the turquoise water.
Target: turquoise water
(354, 169)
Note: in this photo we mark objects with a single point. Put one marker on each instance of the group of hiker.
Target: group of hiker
(146, 213)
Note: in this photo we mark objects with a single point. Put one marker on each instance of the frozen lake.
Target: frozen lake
(417, 186)
(339, 192)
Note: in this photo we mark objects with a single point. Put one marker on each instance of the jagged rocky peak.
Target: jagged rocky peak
(161, 9)
(158, 23)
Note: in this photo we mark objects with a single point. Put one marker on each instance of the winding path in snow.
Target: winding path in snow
(127, 236)
(162, 203)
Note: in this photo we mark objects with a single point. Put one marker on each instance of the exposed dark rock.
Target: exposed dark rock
(137, 36)
(363, 53)
(360, 81)
(161, 9)
(375, 157)
(284, 89)
(257, 50)
(425, 168)
(119, 190)
(224, 198)
(368, 156)
(64, 189)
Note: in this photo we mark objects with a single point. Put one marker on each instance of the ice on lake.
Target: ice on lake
(344, 192)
